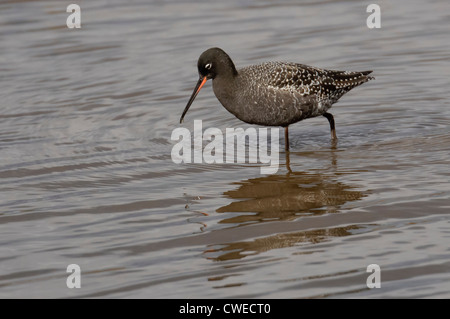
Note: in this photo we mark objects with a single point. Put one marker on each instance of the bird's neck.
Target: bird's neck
(224, 87)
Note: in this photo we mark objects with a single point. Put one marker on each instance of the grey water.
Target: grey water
(87, 178)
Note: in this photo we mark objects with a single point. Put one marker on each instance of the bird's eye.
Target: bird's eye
(208, 66)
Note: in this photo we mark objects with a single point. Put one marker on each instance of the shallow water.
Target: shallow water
(86, 175)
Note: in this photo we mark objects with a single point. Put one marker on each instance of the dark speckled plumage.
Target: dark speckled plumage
(274, 93)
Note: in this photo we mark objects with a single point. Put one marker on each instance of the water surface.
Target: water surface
(86, 175)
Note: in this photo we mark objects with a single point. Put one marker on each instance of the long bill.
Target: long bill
(197, 89)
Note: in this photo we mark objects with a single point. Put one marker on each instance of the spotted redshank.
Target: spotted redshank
(274, 93)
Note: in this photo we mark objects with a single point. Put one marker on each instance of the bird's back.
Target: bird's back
(306, 80)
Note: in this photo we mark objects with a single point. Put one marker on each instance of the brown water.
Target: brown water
(86, 175)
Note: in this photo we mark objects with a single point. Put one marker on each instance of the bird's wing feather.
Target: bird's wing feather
(307, 80)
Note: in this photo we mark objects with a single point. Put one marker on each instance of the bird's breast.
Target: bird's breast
(263, 105)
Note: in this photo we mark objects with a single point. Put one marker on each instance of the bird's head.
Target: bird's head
(212, 63)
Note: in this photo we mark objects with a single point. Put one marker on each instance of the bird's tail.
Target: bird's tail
(352, 79)
(344, 81)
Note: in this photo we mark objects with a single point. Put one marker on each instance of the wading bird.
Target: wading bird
(274, 93)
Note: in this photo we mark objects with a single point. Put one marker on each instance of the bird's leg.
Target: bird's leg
(286, 139)
(330, 119)
(288, 162)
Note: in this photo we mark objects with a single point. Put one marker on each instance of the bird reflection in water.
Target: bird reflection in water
(283, 198)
